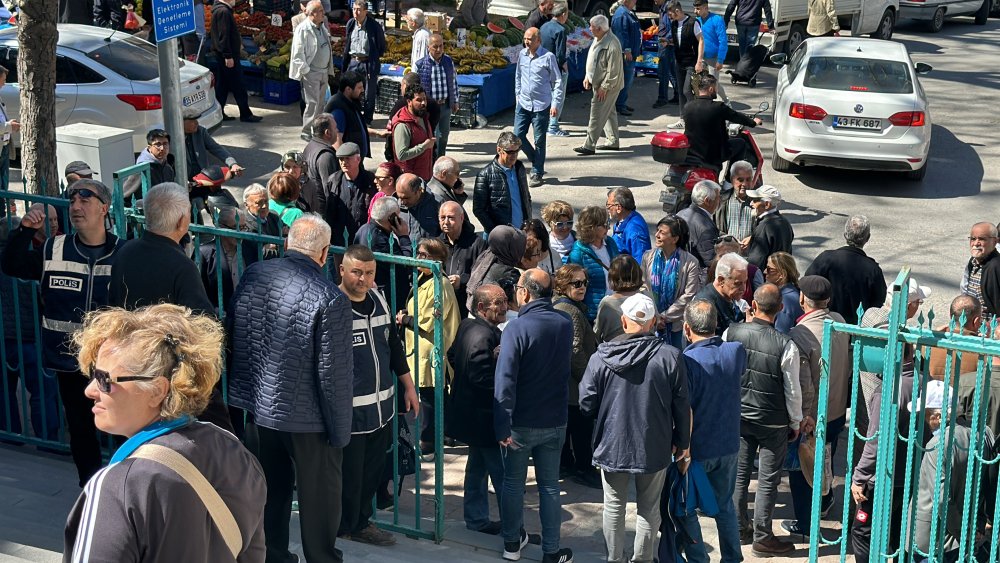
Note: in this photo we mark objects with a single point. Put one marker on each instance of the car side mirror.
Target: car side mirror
(764, 106)
(922, 68)
(779, 58)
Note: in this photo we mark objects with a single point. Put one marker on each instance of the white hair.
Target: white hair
(857, 231)
(600, 21)
(309, 234)
(383, 208)
(730, 263)
(450, 203)
(445, 164)
(164, 206)
(704, 191)
(740, 166)
(417, 15)
(252, 190)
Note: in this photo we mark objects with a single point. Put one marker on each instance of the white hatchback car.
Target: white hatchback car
(111, 79)
(851, 103)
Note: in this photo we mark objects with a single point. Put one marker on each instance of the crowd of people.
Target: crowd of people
(573, 340)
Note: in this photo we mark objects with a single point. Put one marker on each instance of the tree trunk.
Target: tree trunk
(36, 70)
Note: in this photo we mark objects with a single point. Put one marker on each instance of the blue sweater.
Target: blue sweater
(714, 371)
(625, 26)
(554, 40)
(531, 385)
(791, 311)
(631, 234)
(713, 32)
(583, 255)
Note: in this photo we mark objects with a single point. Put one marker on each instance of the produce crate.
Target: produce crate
(281, 92)
(388, 95)
(468, 102)
(649, 65)
(253, 78)
(276, 72)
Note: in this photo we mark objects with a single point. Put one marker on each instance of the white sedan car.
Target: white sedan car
(112, 79)
(851, 103)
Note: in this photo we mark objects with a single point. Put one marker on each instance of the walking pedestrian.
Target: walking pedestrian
(605, 77)
(439, 79)
(625, 25)
(554, 41)
(537, 92)
(311, 61)
(689, 50)
(716, 42)
(227, 46)
(501, 195)
(748, 20)
(365, 41)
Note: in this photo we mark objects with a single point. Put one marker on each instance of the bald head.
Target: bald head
(535, 284)
(409, 188)
(451, 217)
(49, 211)
(489, 302)
(532, 39)
(967, 308)
(767, 302)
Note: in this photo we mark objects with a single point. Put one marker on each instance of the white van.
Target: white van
(863, 17)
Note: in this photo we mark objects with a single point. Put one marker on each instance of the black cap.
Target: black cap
(816, 288)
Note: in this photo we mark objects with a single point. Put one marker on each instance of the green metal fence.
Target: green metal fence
(961, 522)
(128, 221)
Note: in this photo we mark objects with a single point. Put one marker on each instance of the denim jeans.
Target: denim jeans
(442, 131)
(666, 74)
(721, 472)
(480, 464)
(628, 69)
(801, 491)
(554, 121)
(648, 487)
(42, 389)
(539, 122)
(772, 444)
(746, 36)
(544, 445)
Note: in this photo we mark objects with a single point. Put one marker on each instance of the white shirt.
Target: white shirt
(792, 387)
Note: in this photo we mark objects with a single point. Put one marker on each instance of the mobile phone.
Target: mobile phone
(394, 220)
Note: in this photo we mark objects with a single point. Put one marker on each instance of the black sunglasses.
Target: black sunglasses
(105, 379)
(563, 224)
(511, 151)
(724, 238)
(84, 193)
(579, 283)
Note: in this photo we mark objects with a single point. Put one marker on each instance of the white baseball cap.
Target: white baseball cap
(933, 396)
(917, 292)
(639, 308)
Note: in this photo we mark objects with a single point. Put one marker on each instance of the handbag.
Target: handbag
(217, 509)
(406, 453)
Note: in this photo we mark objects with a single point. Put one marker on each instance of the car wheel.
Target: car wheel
(886, 26)
(796, 35)
(777, 163)
(935, 24)
(918, 174)
(984, 12)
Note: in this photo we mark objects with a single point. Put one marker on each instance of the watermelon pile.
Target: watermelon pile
(500, 31)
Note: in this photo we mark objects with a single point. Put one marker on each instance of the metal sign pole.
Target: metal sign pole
(170, 95)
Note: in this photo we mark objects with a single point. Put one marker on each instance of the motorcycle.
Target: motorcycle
(683, 172)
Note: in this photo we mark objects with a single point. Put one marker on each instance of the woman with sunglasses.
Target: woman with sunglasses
(568, 296)
(672, 275)
(558, 216)
(177, 489)
(594, 250)
(385, 180)
(782, 272)
(420, 308)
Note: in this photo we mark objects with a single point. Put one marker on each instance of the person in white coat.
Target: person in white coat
(311, 61)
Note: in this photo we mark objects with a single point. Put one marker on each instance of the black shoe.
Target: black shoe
(564, 555)
(795, 531)
(534, 539)
(228, 118)
(584, 151)
(624, 112)
(512, 549)
(770, 547)
(659, 104)
(608, 148)
(826, 507)
(746, 536)
(673, 100)
(251, 119)
(591, 479)
(630, 108)
(493, 528)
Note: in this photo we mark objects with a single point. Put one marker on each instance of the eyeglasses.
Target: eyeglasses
(423, 255)
(579, 284)
(724, 238)
(160, 144)
(378, 178)
(563, 224)
(511, 151)
(105, 379)
(84, 193)
(520, 287)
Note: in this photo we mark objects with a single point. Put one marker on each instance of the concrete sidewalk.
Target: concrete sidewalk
(38, 490)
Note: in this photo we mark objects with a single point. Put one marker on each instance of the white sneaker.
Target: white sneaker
(678, 125)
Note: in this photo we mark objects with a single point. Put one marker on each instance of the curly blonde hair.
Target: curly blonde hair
(556, 209)
(166, 340)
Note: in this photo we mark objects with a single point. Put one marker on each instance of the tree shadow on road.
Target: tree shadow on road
(956, 170)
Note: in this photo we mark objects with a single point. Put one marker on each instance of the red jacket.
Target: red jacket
(423, 164)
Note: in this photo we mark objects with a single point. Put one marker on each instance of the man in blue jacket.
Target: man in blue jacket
(292, 367)
(629, 229)
(554, 41)
(713, 33)
(363, 48)
(625, 26)
(529, 416)
(714, 369)
(748, 20)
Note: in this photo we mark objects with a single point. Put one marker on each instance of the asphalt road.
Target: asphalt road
(921, 225)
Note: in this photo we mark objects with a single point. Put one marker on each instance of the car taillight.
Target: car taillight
(908, 119)
(142, 102)
(806, 111)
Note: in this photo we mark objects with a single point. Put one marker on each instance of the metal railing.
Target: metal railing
(895, 517)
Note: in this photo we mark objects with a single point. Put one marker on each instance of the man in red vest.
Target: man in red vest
(412, 140)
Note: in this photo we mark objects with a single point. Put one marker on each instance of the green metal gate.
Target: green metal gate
(881, 351)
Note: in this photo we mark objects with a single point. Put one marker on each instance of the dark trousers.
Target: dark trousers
(364, 461)
(427, 415)
(861, 526)
(83, 442)
(230, 80)
(772, 444)
(42, 392)
(801, 491)
(306, 461)
(577, 452)
(371, 87)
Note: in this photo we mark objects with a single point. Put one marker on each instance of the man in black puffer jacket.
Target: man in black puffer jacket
(501, 194)
(292, 367)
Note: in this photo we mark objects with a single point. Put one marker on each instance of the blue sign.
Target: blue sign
(173, 18)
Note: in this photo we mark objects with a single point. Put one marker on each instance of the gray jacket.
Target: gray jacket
(200, 144)
(954, 497)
